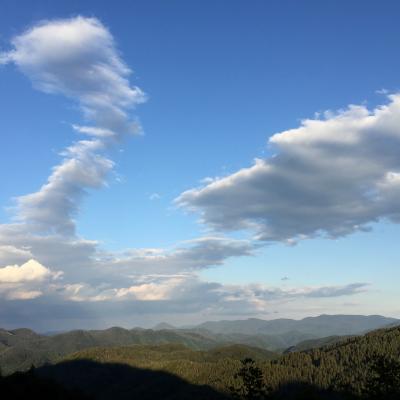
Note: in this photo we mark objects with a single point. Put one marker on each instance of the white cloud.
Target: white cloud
(93, 131)
(78, 58)
(27, 272)
(151, 291)
(26, 281)
(331, 176)
(146, 288)
(54, 206)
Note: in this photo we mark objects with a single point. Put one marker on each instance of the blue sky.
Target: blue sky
(220, 79)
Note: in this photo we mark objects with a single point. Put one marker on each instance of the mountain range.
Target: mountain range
(358, 367)
(22, 348)
(323, 325)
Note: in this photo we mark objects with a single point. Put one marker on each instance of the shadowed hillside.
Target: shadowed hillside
(85, 380)
(112, 380)
(365, 367)
(336, 367)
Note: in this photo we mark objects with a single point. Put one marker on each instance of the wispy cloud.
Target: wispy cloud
(182, 287)
(194, 255)
(154, 196)
(77, 58)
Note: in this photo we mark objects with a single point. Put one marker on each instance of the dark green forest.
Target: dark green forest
(363, 367)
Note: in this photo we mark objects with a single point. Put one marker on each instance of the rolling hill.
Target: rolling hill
(22, 348)
(321, 326)
(335, 371)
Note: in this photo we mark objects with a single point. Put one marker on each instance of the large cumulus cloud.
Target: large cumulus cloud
(26, 281)
(331, 176)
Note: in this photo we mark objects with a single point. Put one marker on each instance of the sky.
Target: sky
(189, 161)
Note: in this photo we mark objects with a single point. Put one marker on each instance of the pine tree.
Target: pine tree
(251, 385)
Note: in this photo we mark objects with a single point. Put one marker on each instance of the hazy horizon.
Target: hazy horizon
(52, 328)
(184, 326)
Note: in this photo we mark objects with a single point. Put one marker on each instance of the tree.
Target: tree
(250, 382)
(383, 380)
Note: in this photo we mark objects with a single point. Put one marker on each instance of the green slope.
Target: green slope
(315, 343)
(21, 348)
(174, 371)
(213, 368)
(342, 364)
(20, 352)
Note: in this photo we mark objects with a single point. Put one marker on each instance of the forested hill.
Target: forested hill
(340, 365)
(343, 366)
(22, 348)
(341, 370)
